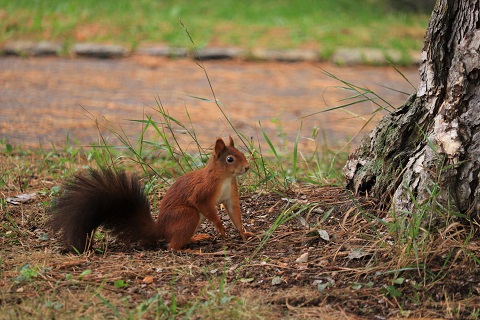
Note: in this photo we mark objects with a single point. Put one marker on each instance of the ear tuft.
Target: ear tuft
(219, 146)
(231, 142)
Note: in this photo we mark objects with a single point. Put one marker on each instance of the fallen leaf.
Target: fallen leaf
(148, 280)
(324, 235)
(323, 263)
(356, 286)
(302, 221)
(357, 254)
(21, 198)
(322, 286)
(302, 267)
(303, 258)
(318, 210)
(233, 267)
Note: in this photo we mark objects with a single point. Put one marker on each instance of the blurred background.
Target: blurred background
(318, 24)
(44, 99)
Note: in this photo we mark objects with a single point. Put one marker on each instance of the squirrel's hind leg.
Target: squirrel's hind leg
(181, 231)
(200, 236)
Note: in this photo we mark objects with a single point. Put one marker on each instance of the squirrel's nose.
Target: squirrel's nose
(246, 168)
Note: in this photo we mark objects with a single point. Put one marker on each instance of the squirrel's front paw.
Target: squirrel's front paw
(221, 229)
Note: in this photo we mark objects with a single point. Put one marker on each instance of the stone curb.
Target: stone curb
(342, 56)
(28, 48)
(98, 51)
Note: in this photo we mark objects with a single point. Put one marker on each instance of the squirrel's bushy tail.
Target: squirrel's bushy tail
(112, 199)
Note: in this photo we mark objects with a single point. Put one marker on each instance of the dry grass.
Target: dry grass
(361, 271)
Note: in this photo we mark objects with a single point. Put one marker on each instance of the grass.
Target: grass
(321, 25)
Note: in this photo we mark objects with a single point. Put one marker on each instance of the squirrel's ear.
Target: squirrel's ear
(231, 142)
(219, 146)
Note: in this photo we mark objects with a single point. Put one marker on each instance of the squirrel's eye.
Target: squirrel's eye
(230, 159)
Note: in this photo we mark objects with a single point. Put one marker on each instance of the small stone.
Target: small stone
(276, 281)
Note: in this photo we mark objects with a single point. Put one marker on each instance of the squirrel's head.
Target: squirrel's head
(230, 158)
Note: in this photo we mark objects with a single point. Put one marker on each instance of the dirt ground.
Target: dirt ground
(44, 99)
(331, 259)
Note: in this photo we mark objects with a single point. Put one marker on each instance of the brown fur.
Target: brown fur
(117, 201)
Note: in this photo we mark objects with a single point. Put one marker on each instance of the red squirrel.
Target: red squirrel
(117, 201)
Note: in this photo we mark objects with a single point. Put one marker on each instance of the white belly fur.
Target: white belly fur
(225, 191)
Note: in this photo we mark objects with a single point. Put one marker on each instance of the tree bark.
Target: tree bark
(431, 145)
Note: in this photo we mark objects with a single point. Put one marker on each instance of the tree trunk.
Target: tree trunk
(431, 145)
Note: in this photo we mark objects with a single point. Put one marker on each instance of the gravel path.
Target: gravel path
(44, 99)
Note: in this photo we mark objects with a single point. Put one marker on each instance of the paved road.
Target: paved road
(44, 99)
